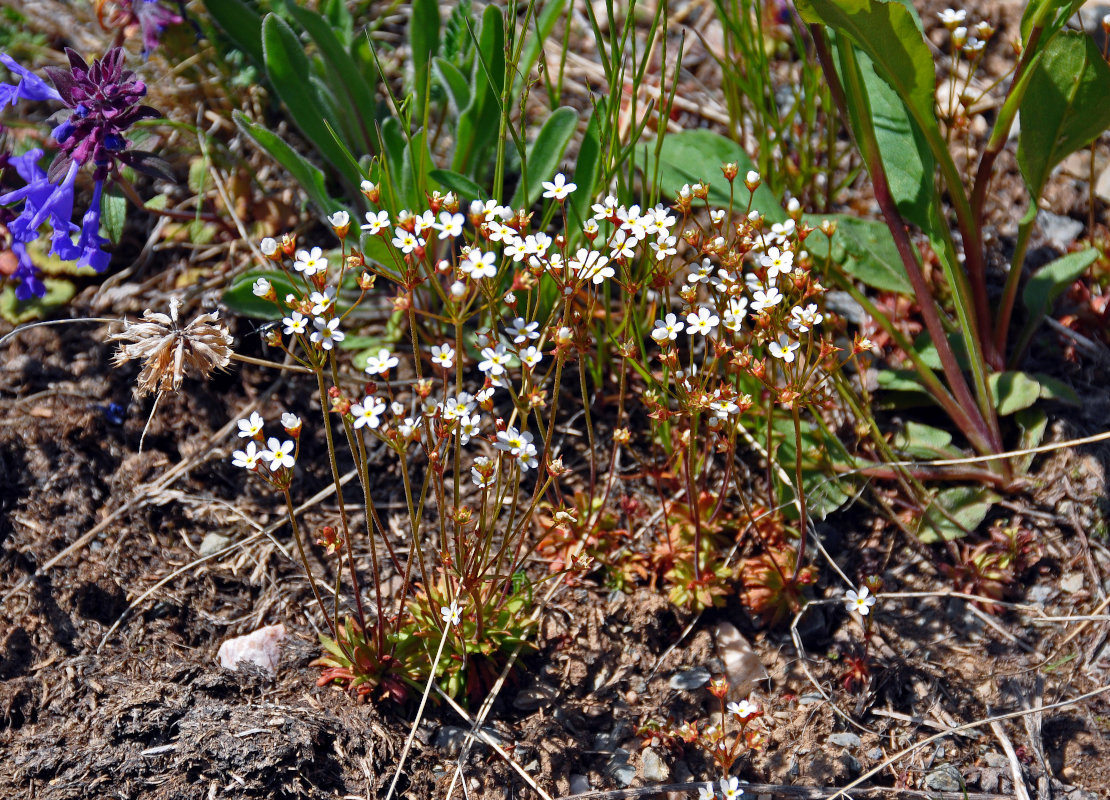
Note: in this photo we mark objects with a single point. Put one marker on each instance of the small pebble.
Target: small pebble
(690, 679)
(944, 779)
(654, 767)
(844, 740)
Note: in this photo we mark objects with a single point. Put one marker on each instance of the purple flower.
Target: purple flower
(105, 102)
(150, 15)
(29, 87)
(29, 283)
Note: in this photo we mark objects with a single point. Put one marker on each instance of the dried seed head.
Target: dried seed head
(170, 352)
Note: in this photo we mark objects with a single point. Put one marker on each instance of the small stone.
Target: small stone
(579, 784)
(213, 543)
(996, 760)
(944, 779)
(262, 647)
(690, 679)
(533, 698)
(655, 769)
(844, 305)
(1058, 229)
(844, 740)
(1072, 583)
(450, 739)
(742, 665)
(876, 754)
(619, 769)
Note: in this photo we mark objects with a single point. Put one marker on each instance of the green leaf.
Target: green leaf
(1013, 391)
(697, 157)
(458, 90)
(240, 296)
(58, 293)
(113, 213)
(1033, 422)
(478, 125)
(288, 70)
(890, 33)
(307, 175)
(586, 170)
(925, 442)
(1052, 280)
(359, 93)
(1050, 14)
(423, 46)
(459, 184)
(538, 33)
(1053, 389)
(1065, 106)
(953, 513)
(545, 154)
(865, 251)
(242, 24)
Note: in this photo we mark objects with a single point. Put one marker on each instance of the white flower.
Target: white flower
(744, 709)
(406, 242)
(706, 792)
(248, 458)
(623, 245)
(717, 216)
(369, 412)
(469, 426)
(606, 209)
(381, 363)
(321, 301)
(310, 261)
(860, 601)
(702, 273)
(665, 246)
(735, 312)
(451, 614)
(482, 473)
(531, 356)
(457, 407)
(752, 176)
(340, 219)
(449, 225)
(327, 333)
(295, 323)
(558, 188)
(703, 322)
(765, 298)
(376, 223)
(291, 422)
(667, 330)
(261, 287)
(730, 788)
(950, 18)
(591, 265)
(513, 441)
(802, 319)
(252, 426)
(777, 262)
(479, 265)
(279, 454)
(522, 331)
(784, 348)
(268, 246)
(495, 359)
(443, 355)
(424, 222)
(458, 289)
(397, 408)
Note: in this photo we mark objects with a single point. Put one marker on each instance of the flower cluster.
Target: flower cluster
(271, 458)
(104, 103)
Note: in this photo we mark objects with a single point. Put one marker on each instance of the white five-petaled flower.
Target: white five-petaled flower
(310, 261)
(479, 265)
(482, 473)
(521, 331)
(340, 219)
(381, 363)
(247, 458)
(407, 242)
(495, 360)
(469, 425)
(252, 426)
(449, 225)
(291, 422)
(376, 223)
(706, 792)
(261, 287)
(558, 188)
(531, 356)
(778, 262)
(744, 709)
(321, 301)
(765, 298)
(860, 601)
(667, 329)
(327, 333)
(443, 355)
(295, 323)
(451, 614)
(783, 348)
(369, 412)
(730, 788)
(802, 319)
(951, 18)
(279, 454)
(703, 322)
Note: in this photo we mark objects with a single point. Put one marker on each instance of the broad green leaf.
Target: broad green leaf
(478, 126)
(1065, 106)
(357, 91)
(242, 24)
(865, 251)
(240, 296)
(339, 18)
(113, 213)
(288, 70)
(1033, 422)
(1050, 14)
(458, 90)
(1053, 389)
(307, 175)
(1013, 391)
(964, 509)
(461, 185)
(423, 46)
(697, 156)
(925, 442)
(585, 172)
(58, 293)
(545, 154)
(1049, 282)
(901, 380)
